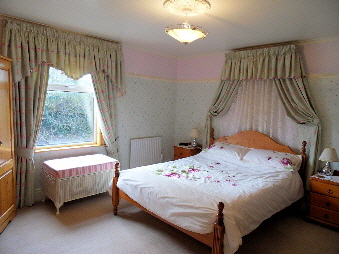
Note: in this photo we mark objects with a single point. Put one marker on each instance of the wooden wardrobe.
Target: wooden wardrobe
(7, 169)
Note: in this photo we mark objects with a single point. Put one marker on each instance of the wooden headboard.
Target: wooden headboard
(257, 140)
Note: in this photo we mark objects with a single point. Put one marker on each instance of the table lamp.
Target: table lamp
(194, 134)
(328, 155)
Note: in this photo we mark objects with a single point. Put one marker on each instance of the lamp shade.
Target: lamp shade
(194, 133)
(329, 155)
(185, 32)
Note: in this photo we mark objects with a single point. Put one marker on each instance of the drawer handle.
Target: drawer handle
(329, 191)
(326, 216)
(328, 204)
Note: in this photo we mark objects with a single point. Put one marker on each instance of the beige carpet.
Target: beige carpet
(88, 226)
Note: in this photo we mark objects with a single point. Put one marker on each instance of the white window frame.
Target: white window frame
(99, 141)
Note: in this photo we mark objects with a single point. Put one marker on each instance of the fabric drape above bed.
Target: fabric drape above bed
(284, 66)
(268, 63)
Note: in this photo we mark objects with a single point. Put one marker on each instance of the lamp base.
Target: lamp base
(194, 143)
(327, 170)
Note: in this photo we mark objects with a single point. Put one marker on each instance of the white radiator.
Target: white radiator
(145, 151)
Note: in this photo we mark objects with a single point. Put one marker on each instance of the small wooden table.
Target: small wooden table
(184, 151)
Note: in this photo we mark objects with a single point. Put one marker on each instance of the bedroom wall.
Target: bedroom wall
(146, 110)
(323, 66)
(192, 103)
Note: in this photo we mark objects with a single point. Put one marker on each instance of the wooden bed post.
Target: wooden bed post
(302, 170)
(211, 137)
(219, 231)
(115, 189)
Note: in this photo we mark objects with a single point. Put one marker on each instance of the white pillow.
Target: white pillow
(228, 150)
(275, 159)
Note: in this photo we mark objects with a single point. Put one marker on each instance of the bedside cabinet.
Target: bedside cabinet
(182, 152)
(324, 200)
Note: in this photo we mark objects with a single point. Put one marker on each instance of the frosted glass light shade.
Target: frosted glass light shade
(195, 133)
(329, 155)
(186, 33)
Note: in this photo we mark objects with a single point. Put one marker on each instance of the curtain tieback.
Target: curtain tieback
(26, 153)
(316, 121)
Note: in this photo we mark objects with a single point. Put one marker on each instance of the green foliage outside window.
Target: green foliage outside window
(68, 116)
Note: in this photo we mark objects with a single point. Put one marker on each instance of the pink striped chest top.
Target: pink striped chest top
(80, 165)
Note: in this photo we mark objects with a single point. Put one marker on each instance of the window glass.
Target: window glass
(69, 112)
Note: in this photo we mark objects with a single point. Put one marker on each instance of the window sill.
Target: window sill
(50, 149)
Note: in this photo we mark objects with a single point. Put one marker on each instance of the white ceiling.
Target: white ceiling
(231, 23)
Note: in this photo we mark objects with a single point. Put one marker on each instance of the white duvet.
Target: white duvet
(186, 192)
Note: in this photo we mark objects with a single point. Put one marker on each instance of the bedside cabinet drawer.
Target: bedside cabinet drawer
(181, 152)
(324, 201)
(326, 189)
(324, 214)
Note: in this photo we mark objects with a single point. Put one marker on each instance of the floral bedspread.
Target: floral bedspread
(186, 192)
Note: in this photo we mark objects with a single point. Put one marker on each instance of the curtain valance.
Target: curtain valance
(268, 63)
(29, 45)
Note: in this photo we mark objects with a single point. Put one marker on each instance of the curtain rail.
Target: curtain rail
(4, 16)
(267, 45)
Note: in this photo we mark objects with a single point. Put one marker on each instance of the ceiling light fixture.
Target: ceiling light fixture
(180, 7)
(185, 32)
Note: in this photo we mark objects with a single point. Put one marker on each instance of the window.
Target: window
(69, 117)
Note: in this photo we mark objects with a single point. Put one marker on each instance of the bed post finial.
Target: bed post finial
(219, 231)
(117, 171)
(220, 215)
(211, 137)
(303, 148)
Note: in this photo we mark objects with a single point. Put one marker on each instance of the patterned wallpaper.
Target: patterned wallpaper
(146, 110)
(325, 92)
(192, 103)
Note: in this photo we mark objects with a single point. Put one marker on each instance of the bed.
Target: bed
(220, 194)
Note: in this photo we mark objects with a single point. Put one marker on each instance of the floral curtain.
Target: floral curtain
(224, 97)
(106, 98)
(29, 98)
(284, 66)
(32, 46)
